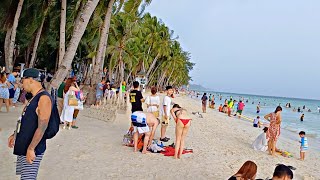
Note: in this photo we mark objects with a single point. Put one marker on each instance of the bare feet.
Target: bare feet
(145, 152)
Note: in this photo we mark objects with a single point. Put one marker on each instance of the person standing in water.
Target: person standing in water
(258, 108)
(302, 117)
(273, 132)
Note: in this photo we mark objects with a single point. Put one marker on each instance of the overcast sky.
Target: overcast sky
(268, 47)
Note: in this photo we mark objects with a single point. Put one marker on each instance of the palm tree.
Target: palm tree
(63, 19)
(11, 37)
(78, 31)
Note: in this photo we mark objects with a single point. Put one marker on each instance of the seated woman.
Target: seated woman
(183, 122)
(248, 171)
(261, 142)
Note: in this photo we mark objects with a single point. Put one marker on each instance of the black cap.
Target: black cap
(33, 73)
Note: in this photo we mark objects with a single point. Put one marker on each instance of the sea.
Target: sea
(291, 124)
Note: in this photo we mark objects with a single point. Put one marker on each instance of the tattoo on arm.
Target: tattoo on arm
(43, 118)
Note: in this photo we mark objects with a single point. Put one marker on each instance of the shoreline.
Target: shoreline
(286, 130)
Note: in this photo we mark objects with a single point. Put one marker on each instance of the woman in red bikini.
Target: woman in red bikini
(183, 122)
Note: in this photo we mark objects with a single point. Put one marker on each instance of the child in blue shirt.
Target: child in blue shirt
(304, 145)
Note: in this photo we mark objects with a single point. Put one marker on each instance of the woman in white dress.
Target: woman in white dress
(67, 113)
(153, 102)
(261, 142)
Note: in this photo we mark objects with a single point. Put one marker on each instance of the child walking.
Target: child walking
(304, 145)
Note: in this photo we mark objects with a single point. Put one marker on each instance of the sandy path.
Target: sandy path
(94, 151)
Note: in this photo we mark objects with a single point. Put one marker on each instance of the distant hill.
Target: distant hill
(197, 87)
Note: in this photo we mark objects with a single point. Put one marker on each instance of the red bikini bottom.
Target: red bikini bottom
(185, 121)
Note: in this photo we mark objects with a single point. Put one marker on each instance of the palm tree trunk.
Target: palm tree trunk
(152, 65)
(98, 66)
(162, 78)
(36, 43)
(62, 41)
(9, 53)
(6, 48)
(167, 83)
(78, 31)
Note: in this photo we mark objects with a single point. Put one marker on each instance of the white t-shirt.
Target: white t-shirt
(256, 120)
(153, 100)
(261, 143)
(166, 102)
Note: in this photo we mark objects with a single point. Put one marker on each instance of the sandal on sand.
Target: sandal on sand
(75, 127)
(164, 139)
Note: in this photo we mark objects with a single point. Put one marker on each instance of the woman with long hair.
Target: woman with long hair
(183, 122)
(67, 113)
(273, 132)
(4, 91)
(153, 102)
(248, 171)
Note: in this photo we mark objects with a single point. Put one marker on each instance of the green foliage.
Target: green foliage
(141, 40)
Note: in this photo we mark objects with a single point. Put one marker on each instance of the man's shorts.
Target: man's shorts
(239, 111)
(303, 149)
(139, 122)
(26, 170)
(164, 121)
(141, 130)
(11, 93)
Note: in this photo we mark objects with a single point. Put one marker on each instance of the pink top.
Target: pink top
(241, 106)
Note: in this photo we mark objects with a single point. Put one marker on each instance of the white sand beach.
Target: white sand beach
(94, 151)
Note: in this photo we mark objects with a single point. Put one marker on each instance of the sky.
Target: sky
(264, 47)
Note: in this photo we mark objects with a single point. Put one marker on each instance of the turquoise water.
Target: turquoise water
(290, 120)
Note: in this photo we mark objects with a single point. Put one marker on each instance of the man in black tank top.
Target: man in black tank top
(28, 141)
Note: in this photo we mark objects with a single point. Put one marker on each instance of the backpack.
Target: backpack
(54, 121)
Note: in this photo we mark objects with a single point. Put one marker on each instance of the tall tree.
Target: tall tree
(62, 41)
(79, 28)
(99, 61)
(11, 32)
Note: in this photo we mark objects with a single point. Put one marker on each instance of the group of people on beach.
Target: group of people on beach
(159, 112)
(10, 88)
(268, 139)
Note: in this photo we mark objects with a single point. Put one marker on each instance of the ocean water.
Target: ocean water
(290, 120)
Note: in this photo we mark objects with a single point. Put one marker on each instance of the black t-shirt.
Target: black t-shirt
(135, 99)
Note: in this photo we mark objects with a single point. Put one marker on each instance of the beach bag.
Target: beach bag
(128, 138)
(72, 100)
(80, 105)
(54, 121)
